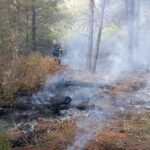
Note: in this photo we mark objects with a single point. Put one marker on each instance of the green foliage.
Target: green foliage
(16, 21)
(4, 140)
(25, 72)
(48, 112)
(16, 38)
(111, 30)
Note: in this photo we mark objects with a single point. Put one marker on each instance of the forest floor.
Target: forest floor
(129, 130)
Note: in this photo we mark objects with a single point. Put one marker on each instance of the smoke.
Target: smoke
(113, 55)
(91, 124)
(76, 51)
(113, 63)
(49, 89)
(88, 129)
(114, 40)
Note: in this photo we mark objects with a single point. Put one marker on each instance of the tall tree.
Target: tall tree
(18, 6)
(98, 42)
(27, 24)
(34, 46)
(36, 22)
(137, 25)
(130, 5)
(90, 38)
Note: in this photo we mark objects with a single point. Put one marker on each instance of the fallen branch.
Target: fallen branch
(83, 84)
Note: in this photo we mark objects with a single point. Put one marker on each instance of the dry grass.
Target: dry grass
(125, 134)
(124, 87)
(26, 74)
(107, 141)
(119, 134)
(107, 136)
(61, 135)
(32, 70)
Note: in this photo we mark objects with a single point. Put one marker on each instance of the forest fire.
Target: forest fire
(74, 75)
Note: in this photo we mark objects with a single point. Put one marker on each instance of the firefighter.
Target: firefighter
(57, 51)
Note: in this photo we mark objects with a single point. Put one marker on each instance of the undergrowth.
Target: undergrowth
(4, 140)
(24, 74)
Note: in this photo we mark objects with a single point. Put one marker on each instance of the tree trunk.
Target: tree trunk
(98, 42)
(131, 28)
(137, 27)
(18, 16)
(90, 38)
(18, 24)
(27, 25)
(34, 46)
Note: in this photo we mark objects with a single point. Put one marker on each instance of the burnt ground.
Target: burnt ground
(114, 118)
(128, 132)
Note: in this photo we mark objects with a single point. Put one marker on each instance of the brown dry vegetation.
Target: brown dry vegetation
(130, 132)
(124, 86)
(61, 135)
(25, 74)
(126, 133)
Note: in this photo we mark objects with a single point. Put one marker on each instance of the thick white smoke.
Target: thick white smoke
(113, 60)
(114, 44)
(113, 63)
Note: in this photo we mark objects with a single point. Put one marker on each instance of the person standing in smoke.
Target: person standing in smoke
(57, 51)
